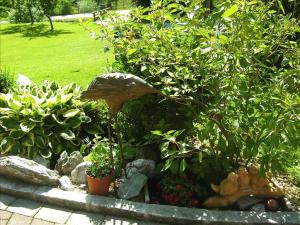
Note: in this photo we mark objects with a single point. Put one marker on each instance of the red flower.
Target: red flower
(178, 187)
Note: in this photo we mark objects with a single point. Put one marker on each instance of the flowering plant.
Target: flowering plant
(179, 191)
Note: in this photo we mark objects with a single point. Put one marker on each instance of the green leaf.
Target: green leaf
(16, 134)
(73, 122)
(71, 113)
(92, 129)
(9, 122)
(45, 152)
(230, 11)
(281, 6)
(27, 126)
(67, 135)
(40, 141)
(131, 51)
(156, 132)
(28, 140)
(167, 164)
(182, 165)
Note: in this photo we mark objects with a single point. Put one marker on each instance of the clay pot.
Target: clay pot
(99, 186)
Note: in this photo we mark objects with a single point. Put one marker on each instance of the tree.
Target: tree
(48, 9)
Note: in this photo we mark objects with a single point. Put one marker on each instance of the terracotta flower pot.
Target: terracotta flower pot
(99, 186)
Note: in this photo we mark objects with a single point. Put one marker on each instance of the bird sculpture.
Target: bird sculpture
(116, 89)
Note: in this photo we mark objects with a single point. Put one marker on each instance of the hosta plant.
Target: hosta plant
(46, 119)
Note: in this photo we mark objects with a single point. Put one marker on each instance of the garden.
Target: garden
(198, 105)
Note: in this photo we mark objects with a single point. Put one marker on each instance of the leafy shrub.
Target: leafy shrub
(86, 6)
(6, 81)
(64, 7)
(235, 69)
(20, 14)
(46, 120)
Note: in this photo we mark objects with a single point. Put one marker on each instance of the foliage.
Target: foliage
(64, 7)
(86, 6)
(46, 120)
(101, 161)
(234, 68)
(6, 80)
(24, 11)
(5, 5)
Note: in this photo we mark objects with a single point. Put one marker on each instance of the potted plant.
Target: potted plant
(99, 173)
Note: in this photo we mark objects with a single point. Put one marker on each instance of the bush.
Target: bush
(64, 7)
(6, 81)
(86, 6)
(47, 120)
(235, 71)
(20, 14)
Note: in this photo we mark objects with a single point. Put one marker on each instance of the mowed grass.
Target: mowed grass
(68, 54)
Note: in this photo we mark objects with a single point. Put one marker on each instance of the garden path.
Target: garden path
(18, 211)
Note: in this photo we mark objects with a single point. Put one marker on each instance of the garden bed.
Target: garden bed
(151, 212)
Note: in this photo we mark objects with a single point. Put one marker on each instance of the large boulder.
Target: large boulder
(27, 170)
(65, 164)
(132, 187)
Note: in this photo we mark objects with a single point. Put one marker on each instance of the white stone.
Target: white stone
(78, 175)
(65, 183)
(143, 166)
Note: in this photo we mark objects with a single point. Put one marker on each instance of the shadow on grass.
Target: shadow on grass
(33, 31)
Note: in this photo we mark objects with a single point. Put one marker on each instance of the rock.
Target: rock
(65, 183)
(258, 208)
(40, 160)
(142, 166)
(66, 164)
(272, 205)
(132, 187)
(247, 201)
(78, 175)
(27, 170)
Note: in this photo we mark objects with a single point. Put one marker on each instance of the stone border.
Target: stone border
(135, 210)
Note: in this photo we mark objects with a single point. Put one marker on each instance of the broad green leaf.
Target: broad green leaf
(40, 141)
(71, 113)
(73, 122)
(230, 11)
(56, 147)
(66, 98)
(130, 51)
(45, 152)
(28, 140)
(156, 132)
(92, 128)
(27, 126)
(16, 134)
(68, 135)
(174, 166)
(57, 120)
(9, 122)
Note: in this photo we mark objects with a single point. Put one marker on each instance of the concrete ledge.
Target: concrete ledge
(155, 213)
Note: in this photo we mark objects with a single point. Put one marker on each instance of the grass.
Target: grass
(67, 54)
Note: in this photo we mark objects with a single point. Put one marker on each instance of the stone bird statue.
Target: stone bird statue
(116, 89)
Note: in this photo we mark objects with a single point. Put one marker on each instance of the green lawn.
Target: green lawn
(67, 54)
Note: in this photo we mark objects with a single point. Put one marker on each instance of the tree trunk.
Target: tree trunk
(50, 21)
(30, 14)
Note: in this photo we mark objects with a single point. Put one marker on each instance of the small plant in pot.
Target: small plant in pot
(99, 173)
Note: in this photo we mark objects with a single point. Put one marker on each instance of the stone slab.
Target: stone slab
(149, 212)
(85, 218)
(53, 214)
(18, 219)
(3, 222)
(40, 222)
(6, 200)
(5, 215)
(24, 207)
